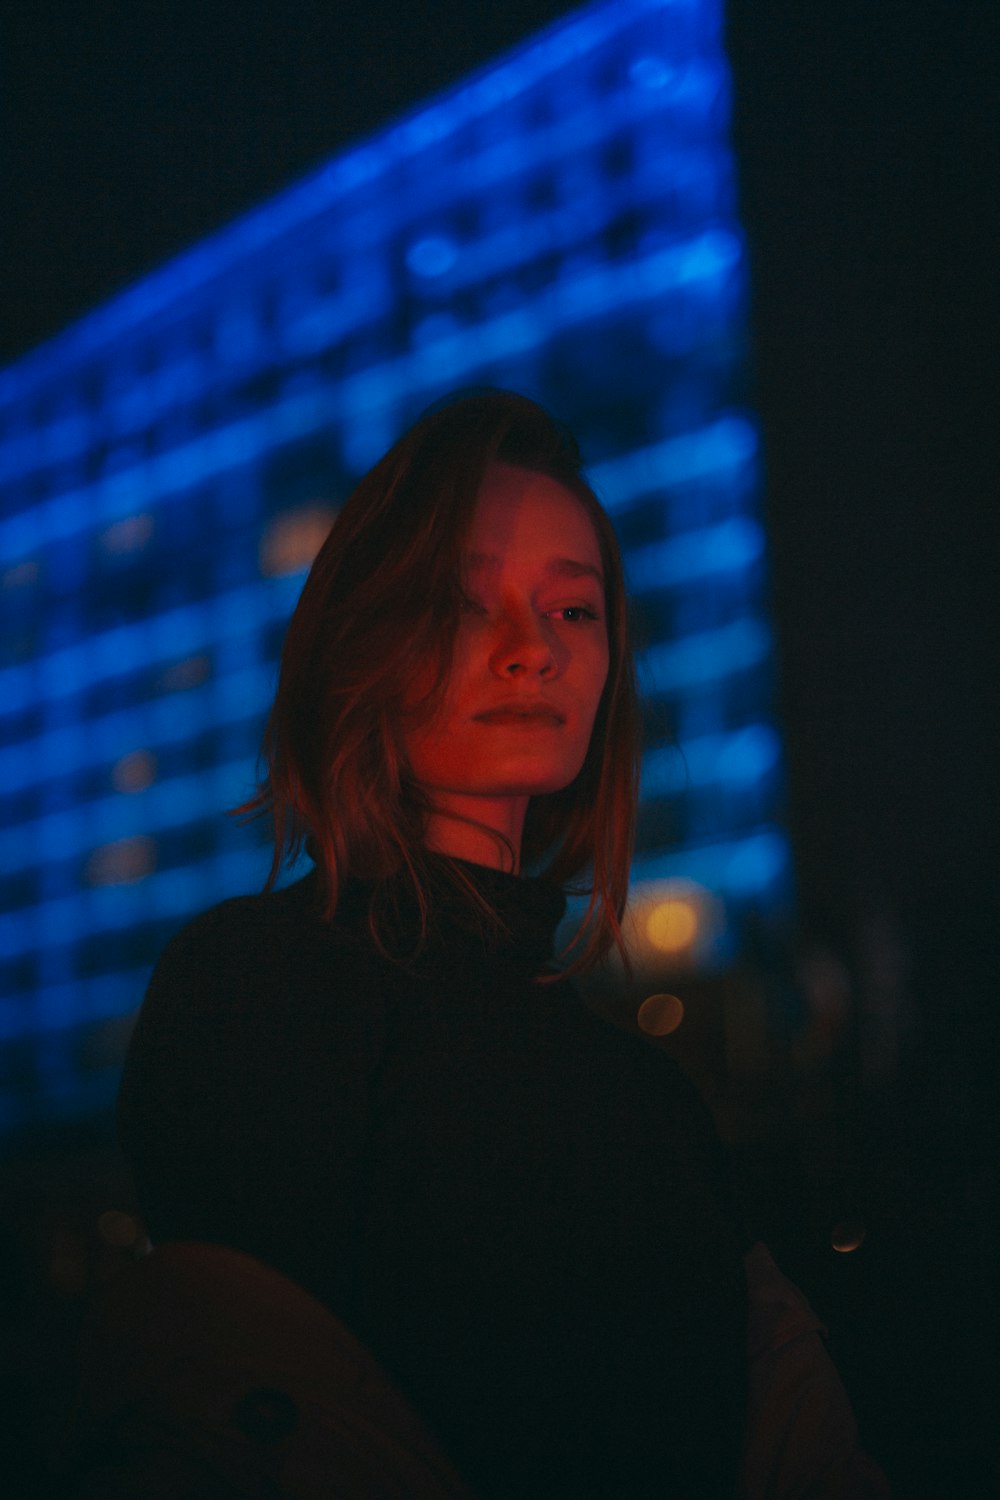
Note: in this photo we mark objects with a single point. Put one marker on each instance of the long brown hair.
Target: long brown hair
(382, 599)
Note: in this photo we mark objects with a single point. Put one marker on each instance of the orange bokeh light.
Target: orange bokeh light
(672, 925)
(659, 1015)
(846, 1236)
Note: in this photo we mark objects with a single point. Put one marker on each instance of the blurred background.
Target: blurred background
(746, 251)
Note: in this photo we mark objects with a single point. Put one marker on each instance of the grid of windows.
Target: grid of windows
(563, 223)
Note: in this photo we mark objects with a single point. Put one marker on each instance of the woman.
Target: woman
(376, 1080)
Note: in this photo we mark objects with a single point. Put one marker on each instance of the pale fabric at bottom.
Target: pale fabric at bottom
(802, 1437)
(206, 1375)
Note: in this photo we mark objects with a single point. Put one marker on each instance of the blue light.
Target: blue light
(710, 257)
(741, 869)
(432, 256)
(750, 754)
(739, 758)
(732, 546)
(698, 659)
(729, 444)
(757, 865)
(650, 73)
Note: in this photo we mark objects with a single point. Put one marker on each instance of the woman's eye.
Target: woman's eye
(576, 614)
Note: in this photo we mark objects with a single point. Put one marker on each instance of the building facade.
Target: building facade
(563, 223)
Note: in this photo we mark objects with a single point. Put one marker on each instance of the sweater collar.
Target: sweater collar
(530, 908)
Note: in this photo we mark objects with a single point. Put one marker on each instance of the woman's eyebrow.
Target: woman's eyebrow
(556, 567)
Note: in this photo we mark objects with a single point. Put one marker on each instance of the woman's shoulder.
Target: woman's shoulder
(253, 916)
(249, 952)
(244, 928)
(245, 981)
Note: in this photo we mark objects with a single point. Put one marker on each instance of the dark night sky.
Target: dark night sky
(863, 132)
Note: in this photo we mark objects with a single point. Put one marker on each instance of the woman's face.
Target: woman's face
(530, 659)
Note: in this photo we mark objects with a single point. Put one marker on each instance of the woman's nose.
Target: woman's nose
(522, 645)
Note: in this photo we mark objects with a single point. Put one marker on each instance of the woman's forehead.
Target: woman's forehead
(523, 514)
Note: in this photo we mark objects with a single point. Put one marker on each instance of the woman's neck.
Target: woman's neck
(474, 835)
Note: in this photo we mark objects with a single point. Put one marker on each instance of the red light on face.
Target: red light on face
(529, 665)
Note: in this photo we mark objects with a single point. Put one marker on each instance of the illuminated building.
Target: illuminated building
(564, 223)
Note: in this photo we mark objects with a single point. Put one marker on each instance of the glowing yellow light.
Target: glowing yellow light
(659, 1015)
(291, 541)
(847, 1236)
(123, 862)
(672, 925)
(134, 772)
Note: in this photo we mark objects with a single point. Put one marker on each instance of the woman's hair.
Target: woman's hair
(383, 599)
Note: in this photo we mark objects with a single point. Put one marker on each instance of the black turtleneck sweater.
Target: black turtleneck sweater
(521, 1210)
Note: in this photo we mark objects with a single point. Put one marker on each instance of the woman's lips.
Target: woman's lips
(528, 718)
